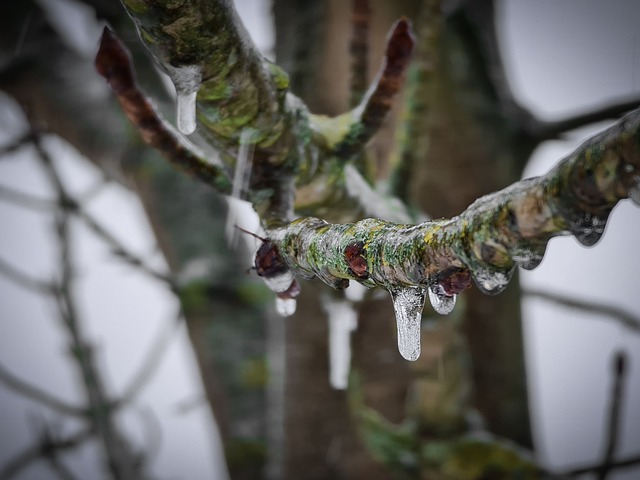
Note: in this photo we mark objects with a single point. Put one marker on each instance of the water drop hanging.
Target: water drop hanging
(408, 303)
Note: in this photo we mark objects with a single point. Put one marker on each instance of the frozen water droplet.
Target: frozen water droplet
(634, 191)
(408, 303)
(491, 282)
(440, 301)
(280, 282)
(186, 107)
(187, 80)
(589, 230)
(286, 306)
(343, 319)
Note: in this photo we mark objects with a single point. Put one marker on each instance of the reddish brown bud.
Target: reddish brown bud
(354, 255)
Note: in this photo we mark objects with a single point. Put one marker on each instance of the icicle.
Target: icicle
(186, 107)
(241, 177)
(286, 306)
(634, 191)
(408, 303)
(491, 282)
(440, 301)
(187, 82)
(343, 320)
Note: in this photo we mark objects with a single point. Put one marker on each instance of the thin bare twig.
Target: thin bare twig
(151, 361)
(26, 200)
(627, 319)
(120, 250)
(25, 281)
(22, 141)
(46, 447)
(613, 424)
(34, 393)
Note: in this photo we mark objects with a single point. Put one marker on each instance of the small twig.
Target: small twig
(113, 62)
(119, 249)
(34, 393)
(359, 49)
(21, 141)
(45, 447)
(25, 281)
(151, 361)
(594, 308)
(543, 130)
(630, 461)
(379, 99)
(26, 200)
(613, 424)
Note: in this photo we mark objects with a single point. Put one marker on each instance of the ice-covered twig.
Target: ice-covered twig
(114, 64)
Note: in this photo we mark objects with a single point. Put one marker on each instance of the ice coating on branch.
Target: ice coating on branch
(286, 306)
(440, 301)
(343, 320)
(187, 81)
(279, 282)
(408, 303)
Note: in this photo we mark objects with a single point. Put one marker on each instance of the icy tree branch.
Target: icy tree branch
(485, 243)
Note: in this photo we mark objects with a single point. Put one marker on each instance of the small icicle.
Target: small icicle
(286, 306)
(186, 116)
(408, 303)
(634, 191)
(343, 320)
(187, 82)
(440, 301)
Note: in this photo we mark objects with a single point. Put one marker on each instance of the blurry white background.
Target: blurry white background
(562, 57)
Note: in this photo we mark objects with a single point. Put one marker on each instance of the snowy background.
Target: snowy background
(563, 56)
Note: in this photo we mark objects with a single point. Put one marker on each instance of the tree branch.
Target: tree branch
(625, 318)
(485, 242)
(38, 395)
(359, 49)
